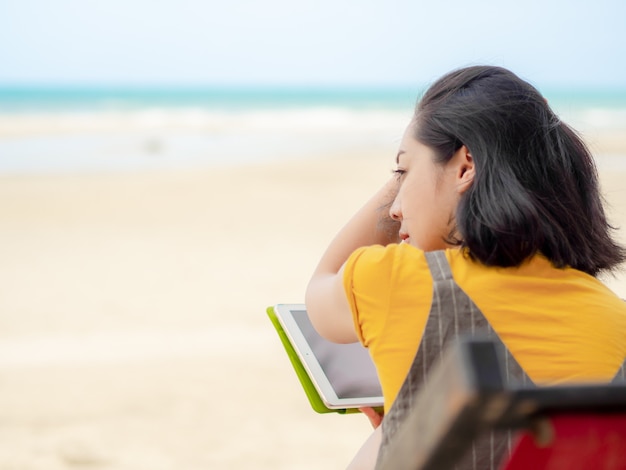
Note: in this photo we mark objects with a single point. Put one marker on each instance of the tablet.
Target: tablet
(335, 377)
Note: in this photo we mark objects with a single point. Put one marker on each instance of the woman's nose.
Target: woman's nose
(394, 211)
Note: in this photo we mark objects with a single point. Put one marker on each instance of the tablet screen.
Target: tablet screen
(348, 367)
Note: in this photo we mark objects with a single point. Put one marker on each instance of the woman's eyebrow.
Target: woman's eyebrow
(398, 156)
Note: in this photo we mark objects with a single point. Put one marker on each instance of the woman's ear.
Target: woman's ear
(465, 169)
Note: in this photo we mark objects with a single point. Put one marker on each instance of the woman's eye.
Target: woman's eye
(398, 172)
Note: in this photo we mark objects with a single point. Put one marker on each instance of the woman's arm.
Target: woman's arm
(325, 297)
(366, 457)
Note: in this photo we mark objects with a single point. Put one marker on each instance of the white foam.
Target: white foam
(182, 137)
(313, 119)
(596, 118)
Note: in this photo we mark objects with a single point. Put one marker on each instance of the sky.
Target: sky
(563, 43)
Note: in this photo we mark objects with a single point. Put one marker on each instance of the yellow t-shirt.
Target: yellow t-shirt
(561, 325)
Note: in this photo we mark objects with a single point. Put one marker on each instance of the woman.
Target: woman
(506, 195)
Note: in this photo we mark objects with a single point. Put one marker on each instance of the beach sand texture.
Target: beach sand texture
(133, 332)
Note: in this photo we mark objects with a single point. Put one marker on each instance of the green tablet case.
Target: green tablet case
(314, 398)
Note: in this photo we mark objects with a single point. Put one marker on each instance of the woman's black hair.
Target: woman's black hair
(536, 186)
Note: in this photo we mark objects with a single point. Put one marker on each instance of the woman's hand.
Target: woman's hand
(374, 416)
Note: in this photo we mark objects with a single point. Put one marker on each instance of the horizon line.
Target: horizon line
(259, 87)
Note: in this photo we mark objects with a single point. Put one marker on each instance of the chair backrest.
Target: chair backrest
(565, 427)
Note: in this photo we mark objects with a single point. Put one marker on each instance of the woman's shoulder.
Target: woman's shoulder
(392, 265)
(536, 269)
(392, 256)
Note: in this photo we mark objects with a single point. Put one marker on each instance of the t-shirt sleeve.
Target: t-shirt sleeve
(389, 291)
(363, 283)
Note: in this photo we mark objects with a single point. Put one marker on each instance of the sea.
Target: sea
(51, 129)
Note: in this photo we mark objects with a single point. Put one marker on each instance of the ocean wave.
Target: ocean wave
(166, 138)
(596, 118)
(314, 119)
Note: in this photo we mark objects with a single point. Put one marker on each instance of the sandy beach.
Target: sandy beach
(133, 332)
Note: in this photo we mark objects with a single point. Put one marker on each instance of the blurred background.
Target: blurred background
(170, 169)
(138, 84)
